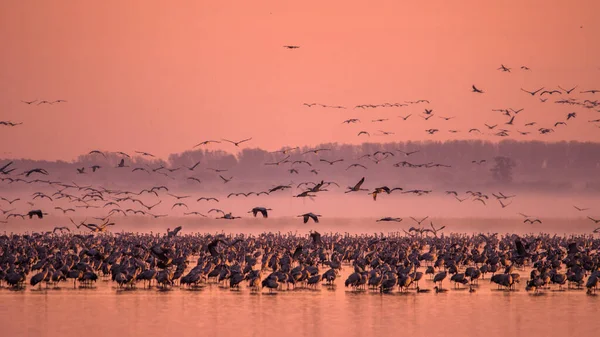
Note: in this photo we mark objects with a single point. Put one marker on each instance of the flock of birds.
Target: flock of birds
(495, 129)
(70, 198)
(278, 261)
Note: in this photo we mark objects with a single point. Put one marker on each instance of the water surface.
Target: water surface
(216, 310)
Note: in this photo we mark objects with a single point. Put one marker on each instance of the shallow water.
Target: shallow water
(214, 310)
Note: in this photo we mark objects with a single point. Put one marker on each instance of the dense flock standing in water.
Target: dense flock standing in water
(276, 261)
(285, 262)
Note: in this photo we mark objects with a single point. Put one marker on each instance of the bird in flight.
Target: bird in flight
(9, 123)
(314, 217)
(356, 165)
(216, 170)
(419, 221)
(408, 153)
(291, 47)
(206, 142)
(261, 210)
(389, 219)
(237, 143)
(144, 153)
(179, 204)
(284, 160)
(97, 152)
(356, 187)
(479, 91)
(316, 151)
(532, 93)
(208, 199)
(331, 162)
(288, 150)
(550, 92)
(194, 213)
(567, 91)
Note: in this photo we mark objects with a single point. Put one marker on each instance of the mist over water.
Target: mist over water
(353, 213)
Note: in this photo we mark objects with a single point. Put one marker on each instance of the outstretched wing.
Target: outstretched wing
(520, 248)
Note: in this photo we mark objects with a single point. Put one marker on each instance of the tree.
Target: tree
(502, 171)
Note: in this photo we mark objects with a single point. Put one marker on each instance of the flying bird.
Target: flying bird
(356, 187)
(207, 199)
(144, 153)
(237, 143)
(206, 142)
(567, 91)
(307, 216)
(261, 210)
(331, 162)
(532, 93)
(97, 152)
(389, 219)
(180, 204)
(36, 212)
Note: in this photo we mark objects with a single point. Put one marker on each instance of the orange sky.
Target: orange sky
(144, 75)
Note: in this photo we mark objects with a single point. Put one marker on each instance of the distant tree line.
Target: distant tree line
(532, 165)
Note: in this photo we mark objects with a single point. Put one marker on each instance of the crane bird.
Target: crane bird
(260, 210)
(439, 278)
(306, 216)
(389, 219)
(316, 237)
(37, 213)
(237, 143)
(172, 233)
(356, 187)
